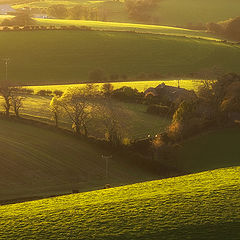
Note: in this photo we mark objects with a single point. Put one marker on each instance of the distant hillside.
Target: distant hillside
(175, 12)
(40, 162)
(169, 12)
(198, 206)
(57, 57)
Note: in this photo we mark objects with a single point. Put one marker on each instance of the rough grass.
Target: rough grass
(198, 206)
(40, 162)
(55, 57)
(210, 151)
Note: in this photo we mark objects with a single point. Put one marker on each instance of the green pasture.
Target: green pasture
(199, 206)
(175, 12)
(169, 12)
(119, 26)
(41, 162)
(141, 86)
(137, 123)
(210, 150)
(61, 57)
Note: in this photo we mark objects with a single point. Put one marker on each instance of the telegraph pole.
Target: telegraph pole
(106, 158)
(6, 61)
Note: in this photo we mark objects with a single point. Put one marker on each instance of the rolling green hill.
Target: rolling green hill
(198, 206)
(118, 26)
(68, 56)
(169, 12)
(210, 151)
(39, 162)
(174, 12)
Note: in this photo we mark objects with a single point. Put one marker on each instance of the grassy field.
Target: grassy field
(141, 86)
(38, 59)
(210, 151)
(40, 162)
(138, 124)
(170, 12)
(117, 26)
(198, 206)
(174, 12)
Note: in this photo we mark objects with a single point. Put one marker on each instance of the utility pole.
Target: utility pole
(6, 61)
(106, 158)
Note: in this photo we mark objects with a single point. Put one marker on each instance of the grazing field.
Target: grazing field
(141, 86)
(198, 206)
(169, 12)
(175, 12)
(40, 162)
(38, 59)
(210, 151)
(138, 124)
(142, 28)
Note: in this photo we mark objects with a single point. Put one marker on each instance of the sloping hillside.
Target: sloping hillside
(210, 151)
(40, 162)
(41, 58)
(199, 206)
(169, 12)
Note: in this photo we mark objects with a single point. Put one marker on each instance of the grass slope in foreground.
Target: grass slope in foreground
(198, 206)
(57, 57)
(40, 162)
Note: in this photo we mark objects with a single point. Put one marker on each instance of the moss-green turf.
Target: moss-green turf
(198, 206)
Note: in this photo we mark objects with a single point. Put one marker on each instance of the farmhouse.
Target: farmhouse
(170, 94)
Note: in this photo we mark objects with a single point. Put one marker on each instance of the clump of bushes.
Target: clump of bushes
(160, 110)
(229, 28)
(58, 93)
(22, 18)
(44, 93)
(128, 94)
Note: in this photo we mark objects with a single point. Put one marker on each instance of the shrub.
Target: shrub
(44, 93)
(128, 94)
(16, 28)
(58, 93)
(6, 29)
(158, 110)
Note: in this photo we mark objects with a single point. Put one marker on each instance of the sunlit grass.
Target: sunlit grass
(199, 206)
(139, 123)
(141, 86)
(116, 26)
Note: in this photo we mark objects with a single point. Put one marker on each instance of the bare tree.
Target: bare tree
(114, 121)
(16, 99)
(79, 105)
(5, 91)
(55, 108)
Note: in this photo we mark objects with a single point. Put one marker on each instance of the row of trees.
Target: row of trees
(13, 97)
(230, 28)
(77, 12)
(88, 109)
(143, 10)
